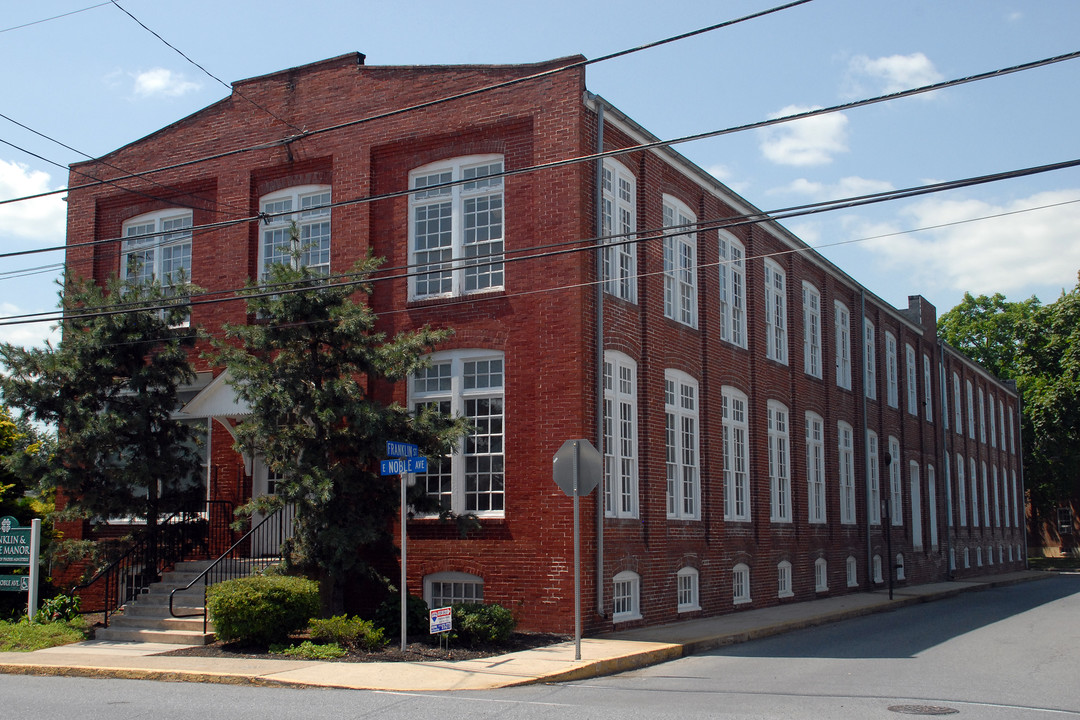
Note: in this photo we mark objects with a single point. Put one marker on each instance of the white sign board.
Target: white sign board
(441, 620)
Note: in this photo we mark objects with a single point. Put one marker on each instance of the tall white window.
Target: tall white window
(870, 355)
(297, 229)
(681, 443)
(1005, 493)
(961, 490)
(779, 463)
(456, 231)
(1017, 501)
(783, 580)
(811, 330)
(775, 313)
(970, 409)
(732, 290)
(912, 385)
(815, 468)
(740, 584)
(847, 473)
(993, 423)
(982, 415)
(466, 383)
(891, 370)
(852, 566)
(843, 345)
(974, 493)
(1001, 423)
(948, 491)
(931, 496)
(896, 500)
(986, 497)
(687, 583)
(997, 497)
(680, 262)
(620, 436)
(958, 420)
(626, 597)
(876, 563)
(157, 248)
(916, 506)
(619, 222)
(821, 575)
(928, 406)
(873, 478)
(944, 390)
(1012, 437)
(736, 455)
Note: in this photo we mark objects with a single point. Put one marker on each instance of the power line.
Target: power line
(587, 245)
(430, 103)
(210, 74)
(54, 17)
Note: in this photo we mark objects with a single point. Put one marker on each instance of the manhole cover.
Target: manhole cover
(923, 710)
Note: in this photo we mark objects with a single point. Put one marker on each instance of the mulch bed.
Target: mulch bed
(414, 651)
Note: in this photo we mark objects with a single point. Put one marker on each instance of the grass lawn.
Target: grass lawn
(22, 636)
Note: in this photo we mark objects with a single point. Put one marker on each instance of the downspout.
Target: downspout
(943, 460)
(1020, 463)
(865, 432)
(600, 605)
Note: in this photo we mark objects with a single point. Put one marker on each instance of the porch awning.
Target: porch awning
(217, 400)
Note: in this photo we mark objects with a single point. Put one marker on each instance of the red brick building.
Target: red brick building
(745, 390)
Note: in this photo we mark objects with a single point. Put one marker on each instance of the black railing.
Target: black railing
(183, 535)
(258, 548)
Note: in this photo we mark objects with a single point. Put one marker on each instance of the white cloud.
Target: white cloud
(812, 141)
(41, 219)
(162, 82)
(895, 72)
(29, 335)
(852, 186)
(1023, 253)
(724, 174)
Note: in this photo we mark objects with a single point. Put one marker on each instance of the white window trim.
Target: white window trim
(900, 567)
(157, 240)
(846, 456)
(620, 443)
(958, 413)
(971, 409)
(931, 498)
(317, 214)
(740, 584)
(633, 584)
(680, 263)
(873, 477)
(993, 423)
(896, 497)
(928, 405)
(458, 395)
(688, 575)
(961, 489)
(891, 370)
(915, 481)
(842, 317)
(870, 351)
(449, 577)
(821, 575)
(912, 382)
(783, 580)
(619, 224)
(811, 330)
(732, 268)
(683, 452)
(852, 567)
(736, 433)
(779, 419)
(456, 264)
(982, 415)
(815, 469)
(776, 342)
(974, 479)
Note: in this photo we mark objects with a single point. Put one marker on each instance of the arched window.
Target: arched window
(740, 584)
(852, 571)
(732, 290)
(821, 575)
(296, 230)
(687, 582)
(783, 580)
(626, 596)
(444, 589)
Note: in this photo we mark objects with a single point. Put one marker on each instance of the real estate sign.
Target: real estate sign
(14, 543)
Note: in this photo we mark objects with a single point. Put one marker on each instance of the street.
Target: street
(1010, 652)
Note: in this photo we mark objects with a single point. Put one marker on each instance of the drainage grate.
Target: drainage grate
(923, 710)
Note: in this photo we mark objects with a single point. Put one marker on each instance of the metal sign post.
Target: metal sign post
(578, 473)
(405, 461)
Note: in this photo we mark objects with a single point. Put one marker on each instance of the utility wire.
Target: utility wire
(54, 17)
(581, 245)
(208, 73)
(410, 108)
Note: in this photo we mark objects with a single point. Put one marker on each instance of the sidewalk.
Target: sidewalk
(615, 652)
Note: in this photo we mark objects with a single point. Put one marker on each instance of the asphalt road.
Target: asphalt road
(1003, 653)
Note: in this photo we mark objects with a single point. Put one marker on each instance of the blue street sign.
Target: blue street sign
(416, 465)
(401, 450)
(401, 466)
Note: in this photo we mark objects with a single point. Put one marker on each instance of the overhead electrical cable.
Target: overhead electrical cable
(54, 17)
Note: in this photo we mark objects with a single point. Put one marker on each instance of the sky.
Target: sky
(82, 78)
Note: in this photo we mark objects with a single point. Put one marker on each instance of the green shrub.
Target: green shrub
(62, 608)
(352, 632)
(262, 609)
(310, 651)
(388, 616)
(481, 624)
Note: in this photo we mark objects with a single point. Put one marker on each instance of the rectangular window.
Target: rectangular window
(619, 223)
(680, 263)
(961, 490)
(993, 424)
(974, 493)
(779, 463)
(944, 396)
(1001, 423)
(928, 406)
(157, 248)
(958, 419)
(732, 290)
(970, 409)
(445, 594)
(296, 231)
(912, 387)
(873, 478)
(870, 354)
(456, 230)
(1012, 438)
(1005, 493)
(891, 370)
(847, 473)
(775, 313)
(843, 346)
(687, 580)
(997, 496)
(815, 468)
(736, 456)
(811, 330)
(620, 436)
(896, 499)
(469, 384)
(982, 416)
(986, 497)
(681, 443)
(916, 507)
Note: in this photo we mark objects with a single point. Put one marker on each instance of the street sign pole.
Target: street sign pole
(404, 591)
(35, 551)
(577, 554)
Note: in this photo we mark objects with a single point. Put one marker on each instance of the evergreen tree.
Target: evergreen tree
(306, 368)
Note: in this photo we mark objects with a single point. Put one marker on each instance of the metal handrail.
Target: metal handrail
(254, 540)
(129, 575)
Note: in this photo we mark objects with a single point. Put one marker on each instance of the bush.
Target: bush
(352, 632)
(310, 651)
(481, 624)
(388, 616)
(62, 608)
(262, 609)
